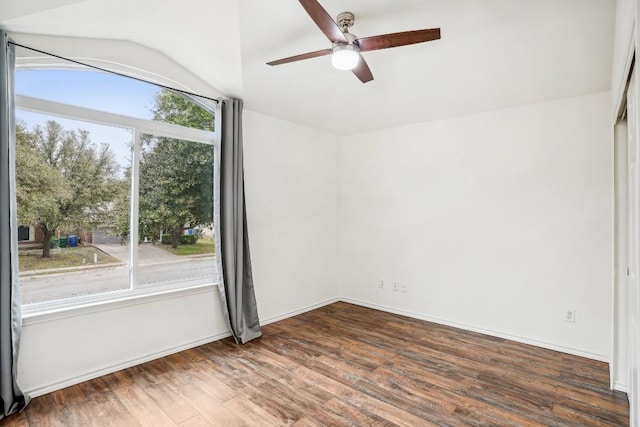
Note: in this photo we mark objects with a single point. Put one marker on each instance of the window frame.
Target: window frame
(138, 127)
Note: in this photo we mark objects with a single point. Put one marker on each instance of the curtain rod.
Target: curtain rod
(184, 92)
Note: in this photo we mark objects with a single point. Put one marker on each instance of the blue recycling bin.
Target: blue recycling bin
(72, 241)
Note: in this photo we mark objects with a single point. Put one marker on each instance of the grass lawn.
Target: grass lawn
(202, 247)
(62, 258)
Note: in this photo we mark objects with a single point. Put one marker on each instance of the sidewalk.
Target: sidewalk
(69, 269)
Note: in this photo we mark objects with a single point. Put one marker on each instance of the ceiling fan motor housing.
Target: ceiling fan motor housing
(345, 21)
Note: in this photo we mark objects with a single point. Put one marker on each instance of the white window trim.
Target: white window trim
(138, 127)
(105, 300)
(151, 127)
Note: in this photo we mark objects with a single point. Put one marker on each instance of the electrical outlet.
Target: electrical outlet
(570, 315)
(403, 287)
(381, 284)
(396, 287)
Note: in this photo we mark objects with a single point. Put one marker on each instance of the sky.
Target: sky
(96, 90)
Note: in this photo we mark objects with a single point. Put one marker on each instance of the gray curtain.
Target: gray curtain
(232, 239)
(13, 400)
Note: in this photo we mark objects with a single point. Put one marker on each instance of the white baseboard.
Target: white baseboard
(620, 387)
(286, 315)
(537, 343)
(39, 391)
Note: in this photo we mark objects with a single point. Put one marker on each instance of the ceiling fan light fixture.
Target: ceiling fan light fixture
(345, 57)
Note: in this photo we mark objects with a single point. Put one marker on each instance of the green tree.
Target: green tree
(176, 177)
(117, 218)
(173, 108)
(77, 179)
(40, 188)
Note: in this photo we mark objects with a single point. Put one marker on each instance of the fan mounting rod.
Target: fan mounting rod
(345, 21)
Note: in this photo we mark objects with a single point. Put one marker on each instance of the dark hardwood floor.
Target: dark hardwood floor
(345, 365)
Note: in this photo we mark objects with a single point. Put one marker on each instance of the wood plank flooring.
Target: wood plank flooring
(345, 365)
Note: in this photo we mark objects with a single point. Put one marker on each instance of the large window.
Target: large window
(115, 185)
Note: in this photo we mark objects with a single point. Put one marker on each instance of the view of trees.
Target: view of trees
(176, 177)
(62, 179)
(65, 181)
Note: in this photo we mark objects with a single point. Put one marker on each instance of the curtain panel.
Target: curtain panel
(232, 238)
(13, 399)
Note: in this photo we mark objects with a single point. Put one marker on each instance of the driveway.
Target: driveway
(148, 253)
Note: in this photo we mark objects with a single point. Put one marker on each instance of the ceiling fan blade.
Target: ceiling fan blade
(300, 57)
(404, 38)
(324, 21)
(362, 71)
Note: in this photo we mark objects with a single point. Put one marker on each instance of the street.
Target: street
(92, 281)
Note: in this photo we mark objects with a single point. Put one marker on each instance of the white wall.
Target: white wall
(189, 33)
(291, 176)
(70, 347)
(115, 55)
(291, 179)
(497, 222)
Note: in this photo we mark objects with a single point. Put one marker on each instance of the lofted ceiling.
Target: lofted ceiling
(493, 54)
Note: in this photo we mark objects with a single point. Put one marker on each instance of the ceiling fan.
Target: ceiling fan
(347, 48)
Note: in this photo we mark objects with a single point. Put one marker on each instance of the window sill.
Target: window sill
(52, 310)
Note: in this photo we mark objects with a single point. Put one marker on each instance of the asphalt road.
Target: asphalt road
(85, 282)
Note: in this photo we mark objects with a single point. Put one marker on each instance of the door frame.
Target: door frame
(618, 279)
(618, 365)
(630, 293)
